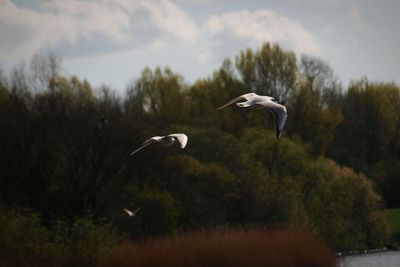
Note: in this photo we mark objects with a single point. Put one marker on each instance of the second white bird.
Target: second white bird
(168, 140)
(254, 101)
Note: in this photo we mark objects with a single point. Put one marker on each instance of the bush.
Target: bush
(24, 241)
(337, 203)
(343, 207)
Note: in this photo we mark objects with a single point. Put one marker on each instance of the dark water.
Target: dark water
(381, 259)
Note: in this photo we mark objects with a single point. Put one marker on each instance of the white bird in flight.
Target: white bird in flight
(254, 101)
(168, 140)
(131, 213)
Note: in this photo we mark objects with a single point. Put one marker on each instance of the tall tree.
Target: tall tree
(160, 94)
(315, 104)
(3, 79)
(321, 79)
(367, 138)
(19, 81)
(269, 71)
(45, 68)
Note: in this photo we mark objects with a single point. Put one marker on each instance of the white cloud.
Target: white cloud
(169, 18)
(121, 22)
(262, 26)
(58, 21)
(133, 28)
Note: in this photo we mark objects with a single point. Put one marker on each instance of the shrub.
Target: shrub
(24, 241)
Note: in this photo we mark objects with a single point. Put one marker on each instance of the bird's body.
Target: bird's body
(168, 140)
(254, 101)
(131, 213)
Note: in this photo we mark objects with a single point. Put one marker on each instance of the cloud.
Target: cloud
(119, 28)
(255, 28)
(58, 21)
(26, 29)
(169, 18)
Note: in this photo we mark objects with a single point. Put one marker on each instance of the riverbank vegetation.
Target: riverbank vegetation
(226, 248)
(393, 219)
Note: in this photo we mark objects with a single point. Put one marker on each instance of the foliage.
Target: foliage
(26, 242)
(367, 138)
(356, 208)
(313, 123)
(268, 71)
(65, 154)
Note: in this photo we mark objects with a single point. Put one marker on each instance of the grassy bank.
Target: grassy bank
(225, 247)
(393, 219)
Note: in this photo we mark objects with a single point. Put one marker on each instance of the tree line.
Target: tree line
(65, 148)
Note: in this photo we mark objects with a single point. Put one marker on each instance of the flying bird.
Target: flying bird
(168, 140)
(254, 101)
(131, 213)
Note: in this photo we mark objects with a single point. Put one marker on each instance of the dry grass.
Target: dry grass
(225, 247)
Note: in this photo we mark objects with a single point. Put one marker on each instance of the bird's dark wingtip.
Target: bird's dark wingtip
(278, 135)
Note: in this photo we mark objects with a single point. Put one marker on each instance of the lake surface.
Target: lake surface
(381, 259)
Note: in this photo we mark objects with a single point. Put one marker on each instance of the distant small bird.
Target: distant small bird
(131, 213)
(254, 101)
(168, 140)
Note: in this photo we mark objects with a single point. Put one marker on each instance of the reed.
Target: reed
(225, 247)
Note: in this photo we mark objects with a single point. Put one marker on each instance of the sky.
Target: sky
(111, 41)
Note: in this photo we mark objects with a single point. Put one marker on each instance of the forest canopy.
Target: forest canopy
(65, 151)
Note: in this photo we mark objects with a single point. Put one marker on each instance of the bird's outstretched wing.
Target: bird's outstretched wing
(135, 211)
(130, 213)
(280, 116)
(280, 119)
(248, 96)
(181, 138)
(150, 141)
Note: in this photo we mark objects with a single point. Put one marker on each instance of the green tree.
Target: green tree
(367, 139)
(269, 71)
(160, 94)
(314, 124)
(314, 106)
(321, 80)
